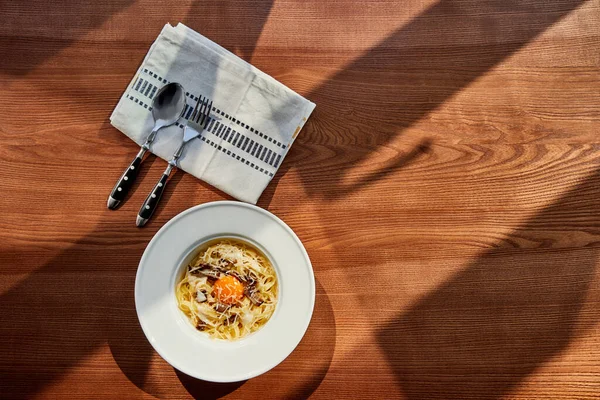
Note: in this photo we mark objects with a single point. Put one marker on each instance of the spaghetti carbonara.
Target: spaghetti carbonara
(228, 290)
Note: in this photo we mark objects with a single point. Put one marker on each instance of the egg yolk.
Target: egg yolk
(228, 290)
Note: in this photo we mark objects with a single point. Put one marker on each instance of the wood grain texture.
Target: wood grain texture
(447, 189)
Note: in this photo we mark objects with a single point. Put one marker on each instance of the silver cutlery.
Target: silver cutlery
(167, 106)
(195, 125)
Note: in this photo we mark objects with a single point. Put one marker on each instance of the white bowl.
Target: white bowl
(168, 329)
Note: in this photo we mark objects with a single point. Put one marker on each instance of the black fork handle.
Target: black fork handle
(151, 202)
(124, 184)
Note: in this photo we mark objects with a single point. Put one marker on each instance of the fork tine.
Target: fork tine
(193, 116)
(207, 114)
(201, 111)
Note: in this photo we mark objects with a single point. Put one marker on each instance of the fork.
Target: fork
(195, 125)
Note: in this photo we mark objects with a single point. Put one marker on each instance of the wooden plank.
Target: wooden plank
(447, 189)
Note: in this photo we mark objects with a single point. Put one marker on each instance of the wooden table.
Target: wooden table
(447, 189)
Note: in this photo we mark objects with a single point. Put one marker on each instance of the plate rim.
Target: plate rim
(266, 213)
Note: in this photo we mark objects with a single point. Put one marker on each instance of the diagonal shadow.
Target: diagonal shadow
(32, 32)
(61, 313)
(404, 78)
(83, 297)
(513, 309)
(317, 345)
(233, 24)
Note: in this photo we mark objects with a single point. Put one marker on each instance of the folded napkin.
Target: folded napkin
(254, 121)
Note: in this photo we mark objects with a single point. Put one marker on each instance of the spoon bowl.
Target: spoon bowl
(168, 104)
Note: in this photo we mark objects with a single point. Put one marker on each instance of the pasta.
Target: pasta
(228, 290)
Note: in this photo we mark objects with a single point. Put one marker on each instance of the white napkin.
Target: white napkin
(256, 118)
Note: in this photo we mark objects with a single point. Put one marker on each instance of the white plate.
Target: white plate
(173, 336)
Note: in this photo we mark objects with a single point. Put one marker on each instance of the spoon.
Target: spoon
(167, 106)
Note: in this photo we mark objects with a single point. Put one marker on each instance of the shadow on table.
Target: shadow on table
(206, 390)
(404, 78)
(73, 304)
(235, 25)
(518, 305)
(318, 345)
(304, 370)
(29, 44)
(81, 299)
(32, 22)
(61, 313)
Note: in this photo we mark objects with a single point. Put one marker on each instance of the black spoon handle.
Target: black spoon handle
(119, 192)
